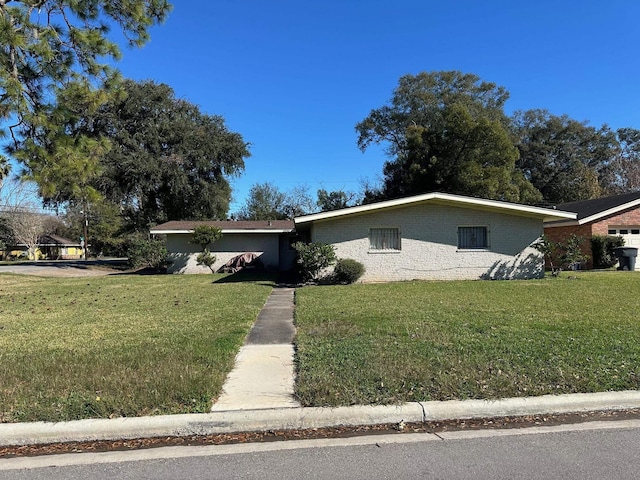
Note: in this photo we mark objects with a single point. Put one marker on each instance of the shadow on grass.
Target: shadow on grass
(253, 276)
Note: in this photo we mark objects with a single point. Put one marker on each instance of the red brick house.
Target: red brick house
(614, 215)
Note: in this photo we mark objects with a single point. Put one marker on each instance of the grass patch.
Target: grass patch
(74, 348)
(419, 341)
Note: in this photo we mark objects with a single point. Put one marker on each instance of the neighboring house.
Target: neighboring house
(436, 236)
(51, 247)
(269, 239)
(55, 247)
(613, 215)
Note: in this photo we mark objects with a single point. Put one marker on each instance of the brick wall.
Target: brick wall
(630, 217)
(429, 238)
(561, 234)
(601, 227)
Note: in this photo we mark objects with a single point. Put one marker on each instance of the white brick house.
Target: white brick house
(430, 236)
(435, 236)
(270, 240)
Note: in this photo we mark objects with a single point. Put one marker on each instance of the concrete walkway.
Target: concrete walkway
(263, 376)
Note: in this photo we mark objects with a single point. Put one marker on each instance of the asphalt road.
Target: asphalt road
(63, 268)
(600, 450)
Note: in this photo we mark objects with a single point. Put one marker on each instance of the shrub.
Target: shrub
(348, 270)
(207, 259)
(602, 249)
(147, 253)
(312, 258)
(573, 255)
(203, 235)
(549, 250)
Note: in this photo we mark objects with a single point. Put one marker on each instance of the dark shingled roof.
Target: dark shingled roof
(587, 208)
(54, 240)
(228, 224)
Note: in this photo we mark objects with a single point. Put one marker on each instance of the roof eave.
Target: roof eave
(607, 213)
(545, 213)
(225, 231)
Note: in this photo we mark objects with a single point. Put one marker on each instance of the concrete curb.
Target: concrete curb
(236, 421)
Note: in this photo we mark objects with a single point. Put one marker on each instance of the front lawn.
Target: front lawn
(120, 345)
(413, 341)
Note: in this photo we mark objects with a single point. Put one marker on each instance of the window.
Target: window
(473, 238)
(626, 230)
(384, 239)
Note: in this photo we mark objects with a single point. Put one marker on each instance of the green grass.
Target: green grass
(119, 345)
(419, 341)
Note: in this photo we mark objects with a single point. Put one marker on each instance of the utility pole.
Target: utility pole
(85, 228)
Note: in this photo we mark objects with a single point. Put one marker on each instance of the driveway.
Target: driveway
(66, 268)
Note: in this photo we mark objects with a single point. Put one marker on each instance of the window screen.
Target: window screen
(384, 239)
(472, 237)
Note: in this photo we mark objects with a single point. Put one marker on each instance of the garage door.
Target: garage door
(631, 234)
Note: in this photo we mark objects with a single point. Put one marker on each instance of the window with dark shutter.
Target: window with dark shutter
(473, 238)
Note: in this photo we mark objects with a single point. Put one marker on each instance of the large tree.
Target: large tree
(58, 155)
(105, 227)
(625, 166)
(168, 160)
(446, 131)
(564, 159)
(55, 56)
(47, 44)
(267, 202)
(335, 200)
(264, 202)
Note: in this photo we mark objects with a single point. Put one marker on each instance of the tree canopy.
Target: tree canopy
(168, 160)
(564, 159)
(625, 167)
(49, 44)
(335, 200)
(267, 202)
(204, 235)
(264, 202)
(446, 131)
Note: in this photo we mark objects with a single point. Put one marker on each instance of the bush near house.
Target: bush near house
(313, 258)
(147, 253)
(573, 256)
(602, 249)
(204, 235)
(562, 255)
(348, 271)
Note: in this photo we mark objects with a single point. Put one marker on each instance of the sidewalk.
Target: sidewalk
(263, 376)
(258, 396)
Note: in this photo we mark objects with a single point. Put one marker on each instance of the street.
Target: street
(64, 268)
(593, 450)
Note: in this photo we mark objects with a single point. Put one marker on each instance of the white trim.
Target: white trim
(611, 211)
(561, 223)
(227, 231)
(546, 213)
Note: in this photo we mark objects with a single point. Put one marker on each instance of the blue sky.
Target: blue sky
(294, 77)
